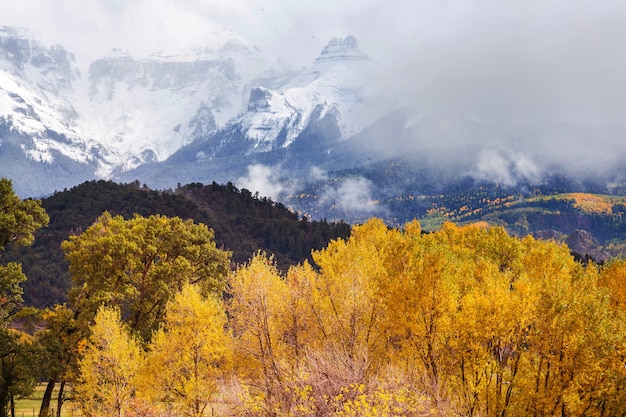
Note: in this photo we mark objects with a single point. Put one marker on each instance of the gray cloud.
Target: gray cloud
(534, 59)
(566, 52)
(530, 61)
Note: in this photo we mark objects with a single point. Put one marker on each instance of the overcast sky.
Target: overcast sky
(560, 57)
(548, 60)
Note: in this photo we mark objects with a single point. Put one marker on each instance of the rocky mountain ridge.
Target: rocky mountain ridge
(126, 111)
(326, 140)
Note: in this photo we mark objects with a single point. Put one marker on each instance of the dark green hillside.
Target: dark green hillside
(243, 224)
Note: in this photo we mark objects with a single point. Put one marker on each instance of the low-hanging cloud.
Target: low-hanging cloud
(562, 58)
(505, 168)
(353, 196)
(265, 180)
(529, 61)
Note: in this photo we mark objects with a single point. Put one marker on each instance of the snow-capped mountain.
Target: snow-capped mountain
(42, 145)
(68, 126)
(36, 86)
(291, 124)
(143, 110)
(329, 132)
(336, 85)
(123, 112)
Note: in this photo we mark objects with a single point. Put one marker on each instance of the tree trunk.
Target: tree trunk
(61, 398)
(44, 411)
(12, 406)
(4, 401)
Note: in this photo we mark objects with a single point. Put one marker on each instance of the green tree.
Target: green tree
(19, 361)
(19, 219)
(138, 264)
(59, 342)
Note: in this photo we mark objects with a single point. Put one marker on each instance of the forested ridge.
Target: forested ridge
(243, 224)
(462, 321)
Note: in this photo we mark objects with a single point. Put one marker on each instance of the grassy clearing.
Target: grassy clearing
(29, 407)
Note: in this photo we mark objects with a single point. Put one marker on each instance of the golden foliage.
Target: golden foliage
(188, 354)
(108, 367)
(590, 203)
(475, 321)
(465, 321)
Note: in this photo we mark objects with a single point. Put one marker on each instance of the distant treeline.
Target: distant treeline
(243, 223)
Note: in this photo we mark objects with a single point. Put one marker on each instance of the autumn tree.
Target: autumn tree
(189, 354)
(466, 321)
(612, 279)
(19, 219)
(345, 299)
(60, 341)
(314, 341)
(138, 264)
(480, 322)
(257, 296)
(108, 367)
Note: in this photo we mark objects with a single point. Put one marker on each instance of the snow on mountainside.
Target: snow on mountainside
(143, 110)
(36, 85)
(338, 81)
(127, 111)
(124, 111)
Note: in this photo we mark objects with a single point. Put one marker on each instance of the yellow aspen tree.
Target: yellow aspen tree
(572, 338)
(421, 301)
(491, 326)
(108, 368)
(345, 299)
(188, 355)
(353, 315)
(613, 279)
(296, 321)
(257, 299)
(454, 317)
(491, 320)
(479, 322)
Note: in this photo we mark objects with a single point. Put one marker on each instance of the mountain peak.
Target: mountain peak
(342, 49)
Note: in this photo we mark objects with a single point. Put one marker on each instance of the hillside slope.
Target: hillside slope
(592, 225)
(242, 222)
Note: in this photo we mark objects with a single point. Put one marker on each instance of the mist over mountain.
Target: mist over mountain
(344, 137)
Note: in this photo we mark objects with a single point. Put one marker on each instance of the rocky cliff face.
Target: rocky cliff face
(126, 111)
(334, 87)
(37, 83)
(122, 113)
(341, 49)
(154, 106)
(20, 54)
